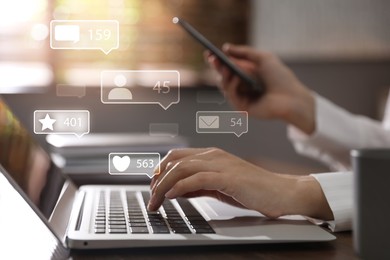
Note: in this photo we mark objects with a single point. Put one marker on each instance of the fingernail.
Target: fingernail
(225, 46)
(151, 203)
(156, 170)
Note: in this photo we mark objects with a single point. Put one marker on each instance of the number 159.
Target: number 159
(99, 34)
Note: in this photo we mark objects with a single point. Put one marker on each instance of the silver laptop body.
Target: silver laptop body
(106, 216)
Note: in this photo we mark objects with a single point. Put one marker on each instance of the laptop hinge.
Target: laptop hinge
(60, 217)
(81, 211)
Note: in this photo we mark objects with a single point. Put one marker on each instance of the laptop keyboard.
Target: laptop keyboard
(132, 216)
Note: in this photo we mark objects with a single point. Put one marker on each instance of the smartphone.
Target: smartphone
(255, 88)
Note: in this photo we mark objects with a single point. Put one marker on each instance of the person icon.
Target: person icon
(119, 92)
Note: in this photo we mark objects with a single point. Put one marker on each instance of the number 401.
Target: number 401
(72, 122)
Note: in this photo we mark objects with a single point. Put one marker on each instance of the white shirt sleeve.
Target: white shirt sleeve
(337, 132)
(337, 187)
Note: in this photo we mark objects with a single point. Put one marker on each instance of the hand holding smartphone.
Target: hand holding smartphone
(254, 87)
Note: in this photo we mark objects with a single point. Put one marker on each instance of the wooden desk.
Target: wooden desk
(341, 248)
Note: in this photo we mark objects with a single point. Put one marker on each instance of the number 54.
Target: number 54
(235, 121)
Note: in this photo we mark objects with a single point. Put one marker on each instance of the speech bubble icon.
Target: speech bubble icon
(219, 122)
(67, 33)
(133, 163)
(164, 129)
(160, 87)
(62, 122)
(84, 35)
(65, 90)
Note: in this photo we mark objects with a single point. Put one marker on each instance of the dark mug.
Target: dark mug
(371, 219)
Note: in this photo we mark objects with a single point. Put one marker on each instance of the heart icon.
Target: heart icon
(121, 163)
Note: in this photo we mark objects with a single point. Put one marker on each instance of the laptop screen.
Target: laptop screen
(28, 164)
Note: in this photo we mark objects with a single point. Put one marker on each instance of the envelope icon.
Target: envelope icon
(211, 122)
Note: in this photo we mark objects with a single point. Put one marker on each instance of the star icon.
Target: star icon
(47, 122)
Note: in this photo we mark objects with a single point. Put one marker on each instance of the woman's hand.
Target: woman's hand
(214, 172)
(285, 98)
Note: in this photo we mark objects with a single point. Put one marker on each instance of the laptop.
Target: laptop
(115, 216)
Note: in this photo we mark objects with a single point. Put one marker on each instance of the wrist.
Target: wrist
(302, 111)
(308, 199)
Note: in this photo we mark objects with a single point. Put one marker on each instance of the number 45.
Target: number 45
(162, 88)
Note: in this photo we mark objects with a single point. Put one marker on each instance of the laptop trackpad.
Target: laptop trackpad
(237, 222)
(215, 210)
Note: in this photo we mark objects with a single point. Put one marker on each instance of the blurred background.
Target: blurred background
(338, 48)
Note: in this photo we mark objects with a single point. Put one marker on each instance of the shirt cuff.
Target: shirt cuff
(337, 188)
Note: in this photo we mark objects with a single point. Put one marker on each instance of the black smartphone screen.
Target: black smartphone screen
(255, 87)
